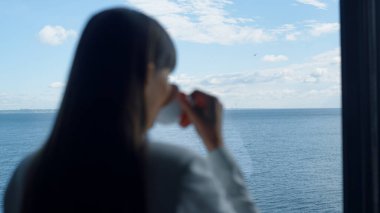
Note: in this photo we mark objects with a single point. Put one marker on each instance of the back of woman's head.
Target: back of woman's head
(94, 158)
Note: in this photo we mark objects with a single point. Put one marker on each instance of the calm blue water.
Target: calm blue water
(291, 159)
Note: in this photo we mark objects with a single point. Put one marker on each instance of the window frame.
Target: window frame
(360, 108)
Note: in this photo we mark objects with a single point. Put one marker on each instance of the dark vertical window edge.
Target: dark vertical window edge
(360, 108)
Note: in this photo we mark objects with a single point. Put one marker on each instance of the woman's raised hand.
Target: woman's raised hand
(205, 112)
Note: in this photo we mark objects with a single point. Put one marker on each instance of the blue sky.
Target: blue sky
(251, 54)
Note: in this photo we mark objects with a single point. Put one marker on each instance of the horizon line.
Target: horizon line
(235, 108)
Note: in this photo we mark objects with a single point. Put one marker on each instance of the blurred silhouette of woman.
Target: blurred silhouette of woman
(97, 158)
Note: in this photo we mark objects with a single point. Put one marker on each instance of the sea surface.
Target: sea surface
(291, 158)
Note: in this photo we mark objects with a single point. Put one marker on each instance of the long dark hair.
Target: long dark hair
(93, 160)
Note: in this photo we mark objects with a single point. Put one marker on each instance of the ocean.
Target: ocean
(291, 158)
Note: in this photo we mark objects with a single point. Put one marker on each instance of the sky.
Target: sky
(250, 54)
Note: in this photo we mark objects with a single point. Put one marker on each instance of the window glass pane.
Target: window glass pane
(275, 66)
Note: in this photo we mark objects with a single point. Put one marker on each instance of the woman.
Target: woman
(97, 158)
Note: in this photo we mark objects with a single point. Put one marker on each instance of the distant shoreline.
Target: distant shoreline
(281, 108)
(29, 111)
(228, 109)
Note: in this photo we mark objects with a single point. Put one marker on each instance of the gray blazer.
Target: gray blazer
(178, 181)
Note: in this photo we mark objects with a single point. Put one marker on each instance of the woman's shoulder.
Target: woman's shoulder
(167, 167)
(170, 153)
(15, 187)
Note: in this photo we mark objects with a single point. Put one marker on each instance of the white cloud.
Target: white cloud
(274, 58)
(209, 22)
(331, 57)
(55, 35)
(203, 21)
(285, 28)
(314, 83)
(289, 31)
(48, 99)
(324, 67)
(305, 29)
(315, 3)
(321, 68)
(330, 91)
(317, 29)
(56, 85)
(292, 36)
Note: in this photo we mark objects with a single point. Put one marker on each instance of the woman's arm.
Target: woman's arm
(230, 177)
(224, 176)
(213, 185)
(200, 191)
